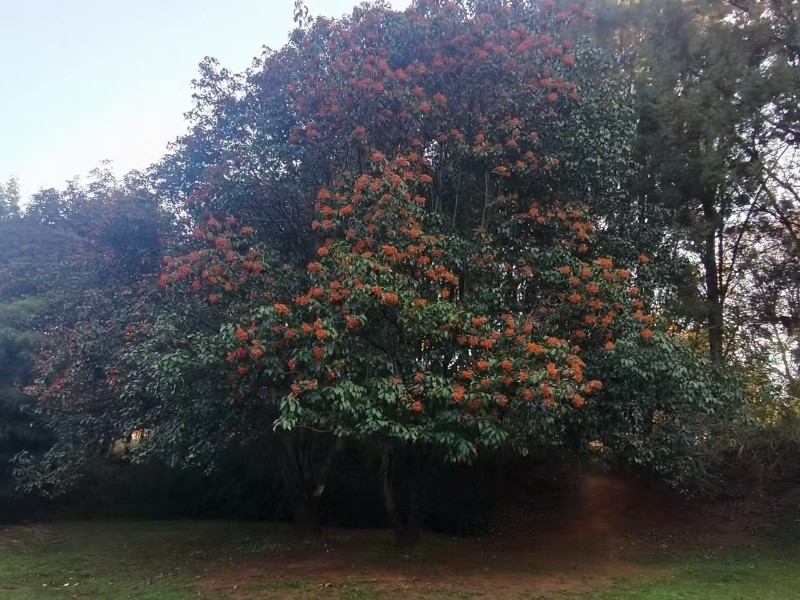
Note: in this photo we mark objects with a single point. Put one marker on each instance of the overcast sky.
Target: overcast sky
(87, 80)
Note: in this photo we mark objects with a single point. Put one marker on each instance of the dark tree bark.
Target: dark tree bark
(715, 294)
(306, 460)
(406, 521)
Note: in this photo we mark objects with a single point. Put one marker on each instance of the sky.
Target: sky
(90, 80)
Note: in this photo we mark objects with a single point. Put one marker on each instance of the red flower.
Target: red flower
(458, 394)
(390, 298)
(552, 371)
(605, 263)
(535, 349)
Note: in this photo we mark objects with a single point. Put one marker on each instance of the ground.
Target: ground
(608, 539)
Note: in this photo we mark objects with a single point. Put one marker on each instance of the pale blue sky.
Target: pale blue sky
(88, 80)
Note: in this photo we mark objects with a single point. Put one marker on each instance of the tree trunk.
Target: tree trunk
(307, 515)
(715, 295)
(407, 528)
(306, 460)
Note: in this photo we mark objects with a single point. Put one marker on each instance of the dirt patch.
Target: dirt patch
(571, 539)
(478, 567)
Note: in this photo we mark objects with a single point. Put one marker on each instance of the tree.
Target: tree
(9, 198)
(37, 266)
(423, 288)
(716, 96)
(64, 262)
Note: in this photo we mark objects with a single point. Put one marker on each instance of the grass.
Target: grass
(728, 575)
(176, 561)
(767, 571)
(98, 561)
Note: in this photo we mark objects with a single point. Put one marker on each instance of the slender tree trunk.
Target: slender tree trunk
(715, 296)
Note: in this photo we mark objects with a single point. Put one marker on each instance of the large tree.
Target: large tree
(399, 237)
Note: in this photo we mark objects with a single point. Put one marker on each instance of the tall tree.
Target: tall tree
(9, 198)
(420, 284)
(716, 95)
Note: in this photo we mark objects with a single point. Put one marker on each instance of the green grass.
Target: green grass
(115, 560)
(175, 560)
(768, 571)
(729, 575)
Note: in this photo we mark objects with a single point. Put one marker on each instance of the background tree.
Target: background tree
(9, 198)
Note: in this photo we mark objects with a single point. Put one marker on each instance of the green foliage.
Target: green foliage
(663, 412)
(21, 319)
(9, 198)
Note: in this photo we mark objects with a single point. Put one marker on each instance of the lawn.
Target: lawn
(116, 560)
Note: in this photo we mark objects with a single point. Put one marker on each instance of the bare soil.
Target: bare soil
(571, 539)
